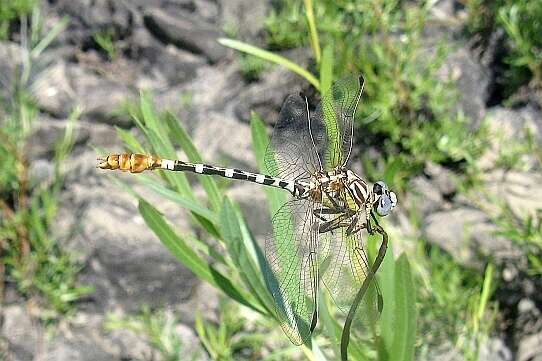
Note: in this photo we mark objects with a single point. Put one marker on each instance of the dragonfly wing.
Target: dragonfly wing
(293, 274)
(344, 267)
(291, 154)
(336, 113)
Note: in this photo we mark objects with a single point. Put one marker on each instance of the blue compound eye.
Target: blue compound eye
(384, 206)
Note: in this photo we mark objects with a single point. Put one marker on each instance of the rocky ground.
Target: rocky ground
(169, 48)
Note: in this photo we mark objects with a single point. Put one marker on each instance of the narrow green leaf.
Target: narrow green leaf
(315, 43)
(174, 243)
(271, 57)
(49, 37)
(329, 323)
(180, 136)
(386, 281)
(260, 142)
(235, 244)
(184, 253)
(326, 69)
(178, 198)
(402, 348)
(130, 141)
(484, 296)
(318, 354)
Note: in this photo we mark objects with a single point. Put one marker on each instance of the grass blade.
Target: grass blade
(129, 141)
(184, 253)
(178, 198)
(235, 243)
(180, 136)
(326, 69)
(260, 141)
(402, 348)
(271, 57)
(315, 43)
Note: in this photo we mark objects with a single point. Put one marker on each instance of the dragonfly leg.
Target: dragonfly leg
(352, 226)
(368, 212)
(359, 228)
(319, 212)
(341, 221)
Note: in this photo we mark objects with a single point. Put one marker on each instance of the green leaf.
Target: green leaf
(271, 57)
(402, 348)
(178, 198)
(130, 141)
(386, 281)
(235, 244)
(184, 253)
(181, 137)
(326, 69)
(315, 43)
(260, 142)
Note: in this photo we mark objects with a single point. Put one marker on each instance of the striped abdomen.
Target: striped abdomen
(136, 163)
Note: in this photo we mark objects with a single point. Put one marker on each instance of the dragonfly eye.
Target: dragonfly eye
(378, 187)
(385, 203)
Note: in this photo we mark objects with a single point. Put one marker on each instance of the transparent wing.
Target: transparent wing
(291, 153)
(344, 268)
(336, 113)
(293, 275)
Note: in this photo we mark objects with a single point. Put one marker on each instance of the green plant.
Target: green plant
(521, 22)
(157, 329)
(252, 67)
(105, 41)
(457, 310)
(284, 28)
(525, 233)
(11, 10)
(34, 261)
(29, 257)
(229, 339)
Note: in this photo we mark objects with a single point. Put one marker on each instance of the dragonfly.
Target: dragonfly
(317, 232)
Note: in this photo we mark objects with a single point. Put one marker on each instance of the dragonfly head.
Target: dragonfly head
(384, 200)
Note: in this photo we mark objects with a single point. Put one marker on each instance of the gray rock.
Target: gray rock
(88, 17)
(62, 87)
(444, 179)
(465, 232)
(266, 96)
(520, 192)
(209, 10)
(246, 16)
(529, 319)
(530, 348)
(10, 65)
(161, 65)
(425, 196)
(472, 80)
(20, 332)
(185, 32)
(494, 349)
(127, 264)
(100, 98)
(49, 132)
(253, 202)
(233, 148)
(75, 349)
(53, 91)
(507, 126)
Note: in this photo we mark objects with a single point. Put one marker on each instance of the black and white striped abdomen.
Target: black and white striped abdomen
(206, 169)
